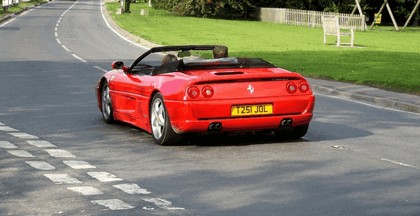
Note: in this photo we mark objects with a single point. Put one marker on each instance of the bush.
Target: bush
(227, 9)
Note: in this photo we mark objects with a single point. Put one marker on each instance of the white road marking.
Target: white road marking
(59, 153)
(162, 203)
(65, 48)
(62, 179)
(398, 163)
(78, 164)
(23, 135)
(57, 37)
(7, 145)
(113, 204)
(40, 165)
(7, 129)
(41, 144)
(7, 22)
(132, 189)
(79, 58)
(104, 176)
(86, 191)
(21, 153)
(101, 69)
(119, 35)
(1, 25)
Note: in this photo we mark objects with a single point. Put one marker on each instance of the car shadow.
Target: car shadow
(235, 139)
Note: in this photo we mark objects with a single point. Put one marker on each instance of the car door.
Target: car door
(125, 93)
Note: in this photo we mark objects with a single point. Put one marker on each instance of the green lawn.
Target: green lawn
(383, 58)
(20, 7)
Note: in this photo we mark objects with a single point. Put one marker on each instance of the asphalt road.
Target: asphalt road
(59, 158)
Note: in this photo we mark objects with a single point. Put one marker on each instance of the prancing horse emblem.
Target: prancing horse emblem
(250, 89)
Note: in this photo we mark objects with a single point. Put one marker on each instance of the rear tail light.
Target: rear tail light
(303, 87)
(291, 88)
(207, 91)
(193, 92)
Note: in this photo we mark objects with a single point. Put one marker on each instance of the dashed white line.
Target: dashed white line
(41, 144)
(21, 153)
(7, 145)
(56, 34)
(77, 57)
(398, 163)
(113, 204)
(65, 48)
(104, 176)
(78, 164)
(86, 191)
(62, 179)
(132, 189)
(40, 165)
(101, 69)
(59, 153)
(23, 135)
(7, 129)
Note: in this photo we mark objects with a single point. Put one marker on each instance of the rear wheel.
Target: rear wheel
(107, 110)
(294, 133)
(162, 131)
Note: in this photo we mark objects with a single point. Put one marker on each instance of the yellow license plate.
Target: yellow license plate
(247, 110)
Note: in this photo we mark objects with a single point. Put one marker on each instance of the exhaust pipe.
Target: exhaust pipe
(287, 122)
(215, 126)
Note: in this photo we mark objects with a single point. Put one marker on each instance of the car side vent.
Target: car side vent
(228, 73)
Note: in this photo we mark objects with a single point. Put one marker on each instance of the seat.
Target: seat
(331, 27)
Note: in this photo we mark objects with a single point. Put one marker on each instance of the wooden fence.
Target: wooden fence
(310, 18)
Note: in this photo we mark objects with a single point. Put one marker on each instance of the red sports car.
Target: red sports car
(199, 89)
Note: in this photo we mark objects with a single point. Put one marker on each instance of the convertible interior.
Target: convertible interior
(199, 64)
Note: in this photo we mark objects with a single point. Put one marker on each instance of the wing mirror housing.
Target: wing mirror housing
(125, 69)
(117, 65)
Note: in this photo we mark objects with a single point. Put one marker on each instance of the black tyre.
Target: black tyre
(107, 110)
(162, 131)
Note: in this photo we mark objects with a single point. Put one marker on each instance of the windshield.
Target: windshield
(170, 59)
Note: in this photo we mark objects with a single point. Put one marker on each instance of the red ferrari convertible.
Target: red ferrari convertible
(199, 89)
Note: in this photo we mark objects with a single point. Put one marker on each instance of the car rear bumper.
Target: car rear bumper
(240, 124)
(197, 117)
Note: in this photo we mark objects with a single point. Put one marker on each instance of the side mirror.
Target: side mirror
(117, 65)
(125, 69)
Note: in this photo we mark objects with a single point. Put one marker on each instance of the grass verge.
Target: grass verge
(382, 58)
(21, 6)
